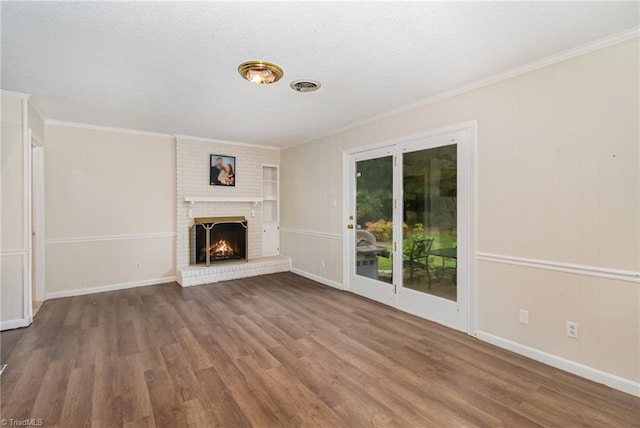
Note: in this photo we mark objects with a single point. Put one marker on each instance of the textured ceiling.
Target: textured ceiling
(171, 67)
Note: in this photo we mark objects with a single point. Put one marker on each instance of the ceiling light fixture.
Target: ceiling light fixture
(260, 72)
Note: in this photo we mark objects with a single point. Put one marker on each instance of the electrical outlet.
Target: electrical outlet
(572, 330)
(138, 265)
(524, 317)
(322, 262)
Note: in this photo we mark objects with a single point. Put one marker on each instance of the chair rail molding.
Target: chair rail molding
(578, 269)
(14, 252)
(311, 233)
(129, 236)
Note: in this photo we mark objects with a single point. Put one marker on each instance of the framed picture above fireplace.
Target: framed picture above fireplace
(223, 170)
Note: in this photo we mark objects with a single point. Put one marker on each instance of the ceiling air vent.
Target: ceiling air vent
(305, 85)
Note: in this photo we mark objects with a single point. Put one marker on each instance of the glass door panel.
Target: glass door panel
(374, 219)
(430, 221)
(370, 228)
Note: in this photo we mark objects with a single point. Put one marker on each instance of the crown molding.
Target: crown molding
(54, 122)
(230, 143)
(14, 94)
(583, 49)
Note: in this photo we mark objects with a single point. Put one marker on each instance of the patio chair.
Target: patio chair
(418, 257)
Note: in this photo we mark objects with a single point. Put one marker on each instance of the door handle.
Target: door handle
(349, 226)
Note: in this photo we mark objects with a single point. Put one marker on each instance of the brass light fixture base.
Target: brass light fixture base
(260, 72)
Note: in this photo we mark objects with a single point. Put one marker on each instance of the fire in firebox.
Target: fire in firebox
(217, 239)
(221, 250)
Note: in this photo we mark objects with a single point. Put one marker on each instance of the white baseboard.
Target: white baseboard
(18, 323)
(110, 287)
(317, 278)
(611, 380)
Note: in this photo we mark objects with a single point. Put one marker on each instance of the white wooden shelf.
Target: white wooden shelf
(270, 210)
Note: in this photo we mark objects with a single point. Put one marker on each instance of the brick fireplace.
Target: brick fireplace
(198, 204)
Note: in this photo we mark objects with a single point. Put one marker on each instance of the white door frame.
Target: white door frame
(36, 213)
(471, 166)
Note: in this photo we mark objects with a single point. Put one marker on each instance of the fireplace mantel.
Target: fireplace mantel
(194, 199)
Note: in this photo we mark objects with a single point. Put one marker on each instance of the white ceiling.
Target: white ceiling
(171, 67)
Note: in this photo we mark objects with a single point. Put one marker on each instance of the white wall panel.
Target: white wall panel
(84, 265)
(12, 174)
(11, 294)
(12, 237)
(108, 183)
(103, 183)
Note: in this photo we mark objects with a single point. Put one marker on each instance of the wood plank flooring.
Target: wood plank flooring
(277, 350)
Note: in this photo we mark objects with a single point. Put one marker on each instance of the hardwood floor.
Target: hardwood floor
(277, 350)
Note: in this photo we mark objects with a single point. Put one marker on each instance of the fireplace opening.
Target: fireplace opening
(217, 239)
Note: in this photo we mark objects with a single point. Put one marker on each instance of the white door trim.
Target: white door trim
(27, 306)
(38, 212)
(346, 253)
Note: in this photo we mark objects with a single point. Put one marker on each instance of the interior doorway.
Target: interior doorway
(410, 236)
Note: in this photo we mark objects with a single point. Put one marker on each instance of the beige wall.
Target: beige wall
(558, 160)
(12, 174)
(110, 204)
(12, 240)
